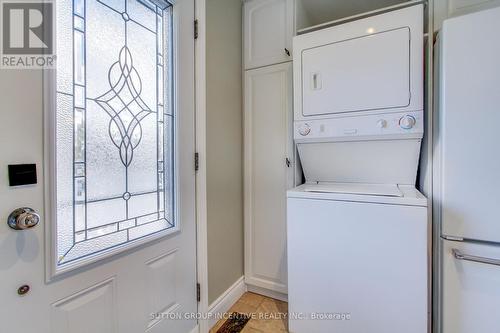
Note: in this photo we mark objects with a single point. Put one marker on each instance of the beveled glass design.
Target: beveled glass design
(115, 125)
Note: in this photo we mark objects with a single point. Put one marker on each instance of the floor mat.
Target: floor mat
(234, 324)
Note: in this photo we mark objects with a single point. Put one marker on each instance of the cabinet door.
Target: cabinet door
(268, 173)
(268, 30)
(471, 296)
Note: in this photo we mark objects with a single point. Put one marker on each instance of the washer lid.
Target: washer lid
(387, 190)
(409, 195)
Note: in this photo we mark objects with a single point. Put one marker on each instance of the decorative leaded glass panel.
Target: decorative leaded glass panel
(114, 125)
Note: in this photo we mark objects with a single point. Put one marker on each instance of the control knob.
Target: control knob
(407, 122)
(304, 129)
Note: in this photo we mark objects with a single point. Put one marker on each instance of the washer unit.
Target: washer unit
(357, 259)
(357, 228)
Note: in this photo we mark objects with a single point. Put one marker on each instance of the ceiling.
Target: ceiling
(321, 11)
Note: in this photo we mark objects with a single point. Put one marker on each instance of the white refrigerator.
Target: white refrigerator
(467, 172)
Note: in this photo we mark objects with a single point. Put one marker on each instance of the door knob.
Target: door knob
(23, 218)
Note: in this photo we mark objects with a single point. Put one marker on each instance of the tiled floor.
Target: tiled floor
(267, 315)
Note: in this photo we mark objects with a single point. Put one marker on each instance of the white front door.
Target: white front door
(111, 132)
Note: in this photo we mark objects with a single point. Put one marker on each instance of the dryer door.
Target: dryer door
(366, 73)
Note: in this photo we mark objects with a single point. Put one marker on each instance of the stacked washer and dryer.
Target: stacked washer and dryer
(357, 228)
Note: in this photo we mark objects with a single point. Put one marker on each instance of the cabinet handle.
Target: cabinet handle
(287, 52)
(462, 256)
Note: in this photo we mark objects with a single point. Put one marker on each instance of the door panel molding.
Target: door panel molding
(90, 302)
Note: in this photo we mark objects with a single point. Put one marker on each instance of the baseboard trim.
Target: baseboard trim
(225, 301)
(267, 293)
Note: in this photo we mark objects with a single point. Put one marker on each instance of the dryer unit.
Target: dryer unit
(358, 99)
(370, 65)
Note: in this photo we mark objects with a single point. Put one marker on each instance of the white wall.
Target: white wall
(224, 145)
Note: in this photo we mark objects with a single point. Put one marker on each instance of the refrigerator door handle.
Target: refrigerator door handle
(462, 256)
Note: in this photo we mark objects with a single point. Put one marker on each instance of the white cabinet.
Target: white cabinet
(268, 173)
(444, 9)
(471, 296)
(268, 29)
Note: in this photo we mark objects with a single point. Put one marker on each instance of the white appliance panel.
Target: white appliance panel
(375, 126)
(471, 293)
(468, 136)
(368, 261)
(365, 73)
(364, 67)
(375, 161)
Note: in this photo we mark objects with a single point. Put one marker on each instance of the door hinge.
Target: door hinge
(288, 162)
(195, 29)
(198, 292)
(196, 161)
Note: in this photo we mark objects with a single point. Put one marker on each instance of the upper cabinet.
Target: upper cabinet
(444, 9)
(268, 32)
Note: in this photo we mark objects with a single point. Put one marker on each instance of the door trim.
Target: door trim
(201, 174)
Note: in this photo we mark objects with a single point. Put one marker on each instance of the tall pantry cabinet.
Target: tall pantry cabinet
(268, 28)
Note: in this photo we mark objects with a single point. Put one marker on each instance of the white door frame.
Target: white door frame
(201, 175)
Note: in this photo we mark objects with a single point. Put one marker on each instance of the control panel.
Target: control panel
(406, 123)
